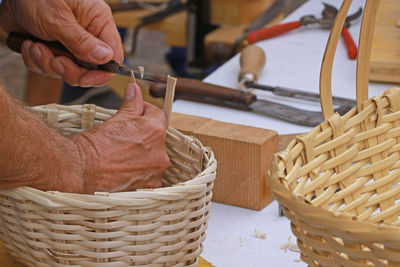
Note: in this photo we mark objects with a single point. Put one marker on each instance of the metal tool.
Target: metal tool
(252, 61)
(173, 7)
(326, 22)
(259, 22)
(191, 89)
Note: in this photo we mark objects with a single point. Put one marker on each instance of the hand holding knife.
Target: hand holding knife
(192, 89)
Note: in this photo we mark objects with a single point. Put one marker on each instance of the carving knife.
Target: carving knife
(191, 89)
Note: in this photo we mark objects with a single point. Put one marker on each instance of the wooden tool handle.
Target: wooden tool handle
(15, 40)
(194, 87)
(363, 60)
(252, 61)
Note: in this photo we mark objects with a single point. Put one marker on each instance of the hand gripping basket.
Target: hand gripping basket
(149, 227)
(339, 184)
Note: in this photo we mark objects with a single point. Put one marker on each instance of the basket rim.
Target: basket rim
(139, 197)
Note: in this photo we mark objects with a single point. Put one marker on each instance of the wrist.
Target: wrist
(68, 168)
(88, 161)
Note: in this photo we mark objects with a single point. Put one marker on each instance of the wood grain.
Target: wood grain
(385, 55)
(243, 154)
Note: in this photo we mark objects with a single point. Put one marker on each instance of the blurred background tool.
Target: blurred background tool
(260, 22)
(252, 61)
(326, 22)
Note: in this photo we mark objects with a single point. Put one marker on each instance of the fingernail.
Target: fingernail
(130, 92)
(86, 85)
(37, 54)
(101, 52)
(58, 67)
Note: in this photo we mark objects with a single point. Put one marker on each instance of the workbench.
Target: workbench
(294, 61)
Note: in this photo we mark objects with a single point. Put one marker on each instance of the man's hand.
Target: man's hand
(84, 27)
(127, 151)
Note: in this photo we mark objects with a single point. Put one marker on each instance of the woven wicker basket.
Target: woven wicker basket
(149, 227)
(340, 183)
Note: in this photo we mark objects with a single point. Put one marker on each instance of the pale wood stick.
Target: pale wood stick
(364, 50)
(169, 97)
(133, 79)
(325, 78)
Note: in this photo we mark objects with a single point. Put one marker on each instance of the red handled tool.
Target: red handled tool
(326, 22)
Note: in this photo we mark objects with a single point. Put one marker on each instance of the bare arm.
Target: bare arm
(33, 154)
(124, 153)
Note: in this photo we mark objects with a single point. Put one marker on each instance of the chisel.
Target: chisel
(191, 89)
(252, 61)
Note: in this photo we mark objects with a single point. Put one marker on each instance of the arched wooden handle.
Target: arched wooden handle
(363, 60)
(252, 61)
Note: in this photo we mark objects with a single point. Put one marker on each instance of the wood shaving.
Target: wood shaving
(141, 69)
(290, 246)
(260, 234)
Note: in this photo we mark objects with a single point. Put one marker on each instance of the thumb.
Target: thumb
(84, 45)
(133, 105)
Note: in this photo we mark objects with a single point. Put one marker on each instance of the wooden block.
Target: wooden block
(243, 154)
(385, 54)
(237, 12)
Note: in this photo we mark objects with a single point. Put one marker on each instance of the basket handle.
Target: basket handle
(363, 60)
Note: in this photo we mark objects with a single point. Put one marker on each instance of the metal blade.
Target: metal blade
(291, 114)
(299, 94)
(114, 67)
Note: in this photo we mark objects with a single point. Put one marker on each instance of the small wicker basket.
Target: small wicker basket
(148, 227)
(340, 183)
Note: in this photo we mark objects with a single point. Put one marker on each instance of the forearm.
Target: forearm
(33, 154)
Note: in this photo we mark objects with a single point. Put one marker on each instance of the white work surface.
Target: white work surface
(294, 61)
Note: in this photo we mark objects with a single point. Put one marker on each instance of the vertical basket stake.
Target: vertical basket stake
(169, 97)
(133, 79)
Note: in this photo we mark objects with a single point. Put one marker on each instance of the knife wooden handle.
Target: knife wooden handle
(15, 39)
(186, 86)
(252, 61)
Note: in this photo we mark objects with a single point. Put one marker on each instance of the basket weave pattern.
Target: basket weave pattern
(148, 227)
(339, 186)
(339, 183)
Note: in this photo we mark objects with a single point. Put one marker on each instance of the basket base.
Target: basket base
(7, 260)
